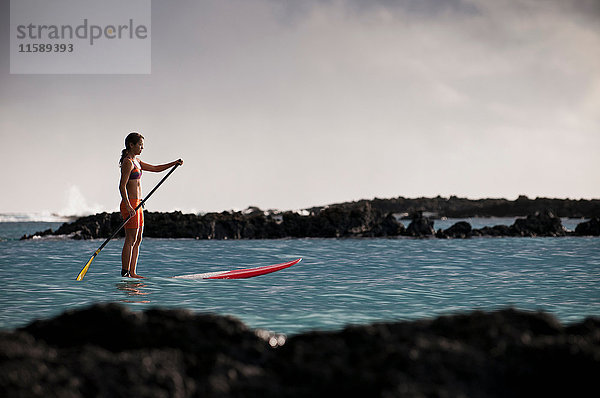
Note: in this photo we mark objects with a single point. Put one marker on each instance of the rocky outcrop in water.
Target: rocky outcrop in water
(109, 351)
(461, 229)
(589, 228)
(420, 226)
(360, 220)
(539, 224)
(455, 207)
(333, 222)
(495, 231)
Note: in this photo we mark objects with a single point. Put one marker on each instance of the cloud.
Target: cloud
(331, 100)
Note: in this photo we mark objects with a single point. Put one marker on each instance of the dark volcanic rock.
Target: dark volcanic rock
(390, 226)
(496, 230)
(461, 229)
(589, 228)
(353, 219)
(359, 221)
(96, 226)
(507, 353)
(539, 224)
(109, 351)
(420, 226)
(455, 207)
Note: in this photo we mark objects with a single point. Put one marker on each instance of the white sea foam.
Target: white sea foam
(302, 212)
(76, 206)
(33, 217)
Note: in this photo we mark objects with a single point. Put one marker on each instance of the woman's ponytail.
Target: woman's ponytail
(123, 154)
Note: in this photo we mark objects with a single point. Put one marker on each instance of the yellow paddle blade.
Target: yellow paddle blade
(85, 269)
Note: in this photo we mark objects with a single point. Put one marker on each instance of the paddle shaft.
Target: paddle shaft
(84, 270)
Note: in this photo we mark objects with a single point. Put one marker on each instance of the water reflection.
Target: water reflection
(133, 290)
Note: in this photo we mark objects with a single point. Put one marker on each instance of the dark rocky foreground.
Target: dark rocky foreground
(359, 220)
(109, 351)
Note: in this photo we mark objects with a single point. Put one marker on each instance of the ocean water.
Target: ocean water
(339, 282)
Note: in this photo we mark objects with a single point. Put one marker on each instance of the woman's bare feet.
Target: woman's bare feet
(135, 276)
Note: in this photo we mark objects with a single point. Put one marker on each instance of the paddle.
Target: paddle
(87, 266)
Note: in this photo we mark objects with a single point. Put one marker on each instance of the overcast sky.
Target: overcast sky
(290, 104)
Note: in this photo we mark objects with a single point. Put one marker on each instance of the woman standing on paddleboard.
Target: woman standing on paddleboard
(130, 187)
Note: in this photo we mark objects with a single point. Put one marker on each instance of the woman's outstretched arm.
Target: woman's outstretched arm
(159, 167)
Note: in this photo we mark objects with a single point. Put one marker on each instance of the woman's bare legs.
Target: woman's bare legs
(134, 253)
(129, 256)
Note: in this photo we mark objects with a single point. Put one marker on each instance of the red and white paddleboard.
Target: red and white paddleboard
(241, 273)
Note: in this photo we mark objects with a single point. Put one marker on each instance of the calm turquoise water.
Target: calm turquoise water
(340, 281)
